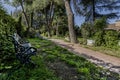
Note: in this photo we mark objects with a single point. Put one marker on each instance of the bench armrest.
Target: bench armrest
(30, 50)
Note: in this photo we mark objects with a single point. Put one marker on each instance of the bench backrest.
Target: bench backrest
(23, 49)
(18, 42)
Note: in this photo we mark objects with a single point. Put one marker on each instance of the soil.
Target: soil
(106, 61)
(62, 70)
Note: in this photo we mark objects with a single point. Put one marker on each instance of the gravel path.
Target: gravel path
(109, 62)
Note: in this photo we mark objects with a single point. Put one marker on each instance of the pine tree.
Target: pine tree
(93, 9)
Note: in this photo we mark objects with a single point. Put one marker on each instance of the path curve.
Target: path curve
(109, 62)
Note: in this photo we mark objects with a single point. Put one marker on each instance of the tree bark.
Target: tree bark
(47, 24)
(70, 16)
(27, 20)
(93, 7)
(49, 14)
(31, 19)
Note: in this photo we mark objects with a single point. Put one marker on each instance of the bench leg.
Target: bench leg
(25, 59)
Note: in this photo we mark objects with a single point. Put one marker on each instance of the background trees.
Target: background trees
(46, 9)
(49, 17)
(55, 17)
(93, 9)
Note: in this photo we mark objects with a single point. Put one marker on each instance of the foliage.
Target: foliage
(77, 30)
(40, 72)
(87, 30)
(100, 24)
(111, 38)
(40, 4)
(7, 27)
(43, 3)
(94, 9)
(60, 21)
(82, 41)
(20, 28)
(99, 38)
(85, 70)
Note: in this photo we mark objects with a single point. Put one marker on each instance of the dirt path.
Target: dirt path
(109, 62)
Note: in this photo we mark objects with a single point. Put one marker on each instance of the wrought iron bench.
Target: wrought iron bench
(23, 49)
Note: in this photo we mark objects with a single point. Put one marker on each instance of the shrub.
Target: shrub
(20, 27)
(99, 40)
(83, 41)
(100, 24)
(87, 30)
(7, 27)
(111, 38)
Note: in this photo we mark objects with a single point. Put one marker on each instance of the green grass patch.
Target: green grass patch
(113, 51)
(83, 67)
(56, 63)
(40, 72)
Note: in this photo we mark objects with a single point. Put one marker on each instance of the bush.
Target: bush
(111, 38)
(87, 30)
(7, 27)
(99, 40)
(83, 41)
(100, 24)
(20, 28)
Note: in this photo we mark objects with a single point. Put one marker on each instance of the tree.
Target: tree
(70, 15)
(60, 20)
(21, 3)
(46, 9)
(93, 9)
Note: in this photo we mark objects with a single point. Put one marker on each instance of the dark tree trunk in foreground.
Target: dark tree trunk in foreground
(47, 24)
(49, 14)
(31, 19)
(70, 15)
(93, 12)
(27, 20)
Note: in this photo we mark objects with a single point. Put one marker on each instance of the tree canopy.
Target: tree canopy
(93, 9)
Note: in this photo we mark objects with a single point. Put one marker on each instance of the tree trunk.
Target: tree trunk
(47, 24)
(70, 15)
(31, 19)
(93, 11)
(49, 14)
(27, 20)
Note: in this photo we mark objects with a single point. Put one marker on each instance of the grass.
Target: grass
(56, 63)
(53, 53)
(114, 51)
(40, 72)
